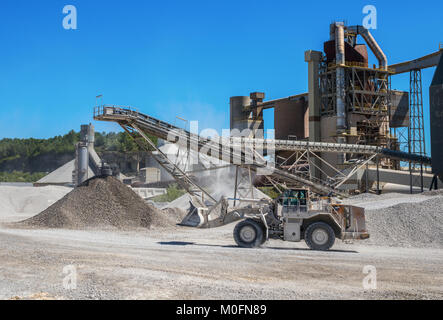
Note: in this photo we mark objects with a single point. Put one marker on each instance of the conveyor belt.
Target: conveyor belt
(239, 151)
(428, 61)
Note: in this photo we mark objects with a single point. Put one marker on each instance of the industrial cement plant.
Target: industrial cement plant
(344, 185)
(350, 133)
(351, 103)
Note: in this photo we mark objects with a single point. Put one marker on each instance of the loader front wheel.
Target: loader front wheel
(319, 236)
(249, 234)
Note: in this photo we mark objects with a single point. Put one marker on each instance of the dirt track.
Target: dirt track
(205, 264)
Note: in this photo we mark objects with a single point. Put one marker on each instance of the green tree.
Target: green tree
(20, 151)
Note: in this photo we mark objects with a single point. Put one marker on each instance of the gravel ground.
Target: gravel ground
(187, 263)
(170, 262)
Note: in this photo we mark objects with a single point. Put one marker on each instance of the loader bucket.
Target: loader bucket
(200, 216)
(355, 225)
(197, 214)
(218, 215)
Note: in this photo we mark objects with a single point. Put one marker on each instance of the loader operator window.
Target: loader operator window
(303, 200)
(290, 198)
(294, 200)
(302, 197)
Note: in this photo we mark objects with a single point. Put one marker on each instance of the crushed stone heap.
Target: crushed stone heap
(408, 224)
(100, 202)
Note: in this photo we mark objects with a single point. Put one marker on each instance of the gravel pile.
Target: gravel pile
(171, 216)
(372, 197)
(101, 202)
(408, 224)
(434, 193)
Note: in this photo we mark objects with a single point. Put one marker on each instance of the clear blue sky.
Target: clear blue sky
(178, 58)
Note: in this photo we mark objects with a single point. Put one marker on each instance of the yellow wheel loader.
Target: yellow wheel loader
(290, 217)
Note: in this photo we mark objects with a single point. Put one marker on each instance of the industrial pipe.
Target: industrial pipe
(340, 84)
(378, 52)
(340, 62)
(405, 156)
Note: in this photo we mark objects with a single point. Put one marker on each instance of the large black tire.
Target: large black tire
(264, 234)
(249, 234)
(319, 236)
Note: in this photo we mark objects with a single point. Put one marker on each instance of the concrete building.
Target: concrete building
(150, 175)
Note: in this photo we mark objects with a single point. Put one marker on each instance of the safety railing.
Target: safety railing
(113, 109)
(333, 65)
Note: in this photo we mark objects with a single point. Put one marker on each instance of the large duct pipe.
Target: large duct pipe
(375, 48)
(340, 84)
(340, 44)
(340, 62)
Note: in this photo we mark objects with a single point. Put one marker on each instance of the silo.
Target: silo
(84, 128)
(239, 118)
(91, 135)
(83, 163)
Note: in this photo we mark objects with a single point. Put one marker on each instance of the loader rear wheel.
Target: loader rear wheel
(249, 234)
(319, 236)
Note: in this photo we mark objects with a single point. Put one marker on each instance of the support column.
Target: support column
(314, 58)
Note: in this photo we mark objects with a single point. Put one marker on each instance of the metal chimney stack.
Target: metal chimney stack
(340, 62)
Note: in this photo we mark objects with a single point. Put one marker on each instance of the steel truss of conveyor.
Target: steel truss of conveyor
(228, 149)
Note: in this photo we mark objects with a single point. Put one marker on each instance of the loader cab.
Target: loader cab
(294, 200)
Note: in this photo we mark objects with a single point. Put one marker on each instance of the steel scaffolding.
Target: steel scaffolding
(416, 133)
